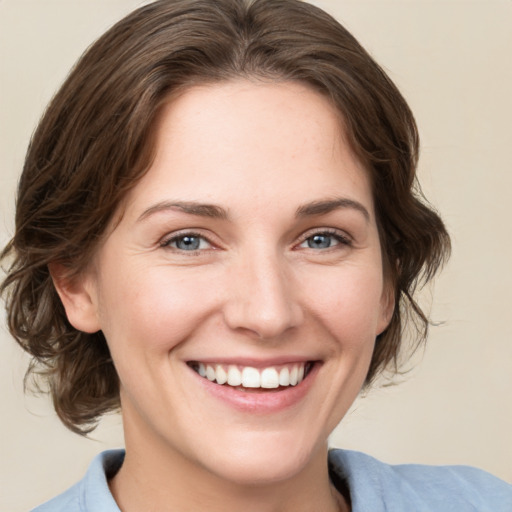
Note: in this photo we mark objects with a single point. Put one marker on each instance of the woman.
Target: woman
(217, 232)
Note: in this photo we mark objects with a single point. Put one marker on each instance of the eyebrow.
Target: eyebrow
(191, 207)
(326, 206)
(321, 207)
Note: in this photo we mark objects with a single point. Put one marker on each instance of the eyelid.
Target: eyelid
(342, 236)
(165, 242)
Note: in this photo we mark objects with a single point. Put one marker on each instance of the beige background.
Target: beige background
(451, 59)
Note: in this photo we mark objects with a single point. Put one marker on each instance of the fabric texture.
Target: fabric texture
(373, 486)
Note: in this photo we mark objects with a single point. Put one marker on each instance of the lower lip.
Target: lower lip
(260, 402)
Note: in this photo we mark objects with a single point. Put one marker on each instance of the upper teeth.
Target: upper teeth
(249, 377)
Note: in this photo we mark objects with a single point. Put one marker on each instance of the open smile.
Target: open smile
(250, 378)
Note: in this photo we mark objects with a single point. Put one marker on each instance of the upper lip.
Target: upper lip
(254, 362)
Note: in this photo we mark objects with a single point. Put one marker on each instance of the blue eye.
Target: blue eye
(323, 241)
(319, 241)
(187, 242)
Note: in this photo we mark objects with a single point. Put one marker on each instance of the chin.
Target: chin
(263, 458)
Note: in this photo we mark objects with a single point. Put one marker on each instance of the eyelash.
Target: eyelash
(341, 239)
(166, 242)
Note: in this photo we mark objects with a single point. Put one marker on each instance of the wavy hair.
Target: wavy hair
(96, 140)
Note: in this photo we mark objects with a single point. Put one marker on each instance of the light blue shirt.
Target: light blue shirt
(373, 486)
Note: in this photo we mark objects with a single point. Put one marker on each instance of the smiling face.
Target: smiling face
(242, 291)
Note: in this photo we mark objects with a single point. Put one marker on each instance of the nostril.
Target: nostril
(265, 321)
(260, 298)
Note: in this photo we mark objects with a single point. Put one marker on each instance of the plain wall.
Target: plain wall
(451, 59)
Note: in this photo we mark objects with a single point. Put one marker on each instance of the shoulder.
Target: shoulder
(69, 501)
(374, 485)
(91, 494)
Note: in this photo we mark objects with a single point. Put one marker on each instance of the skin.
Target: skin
(254, 290)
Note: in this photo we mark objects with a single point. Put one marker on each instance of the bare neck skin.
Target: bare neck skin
(158, 478)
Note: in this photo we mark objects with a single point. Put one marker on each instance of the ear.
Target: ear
(387, 306)
(78, 296)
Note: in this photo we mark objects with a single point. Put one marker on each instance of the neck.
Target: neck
(160, 478)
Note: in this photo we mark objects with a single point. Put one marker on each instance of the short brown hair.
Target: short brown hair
(95, 142)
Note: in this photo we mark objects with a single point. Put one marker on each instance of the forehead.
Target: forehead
(260, 139)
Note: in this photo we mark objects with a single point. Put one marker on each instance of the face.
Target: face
(242, 291)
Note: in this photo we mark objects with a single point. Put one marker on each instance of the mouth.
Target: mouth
(251, 379)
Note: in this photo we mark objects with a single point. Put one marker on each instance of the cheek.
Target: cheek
(348, 301)
(155, 309)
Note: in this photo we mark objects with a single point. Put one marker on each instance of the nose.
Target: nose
(262, 298)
